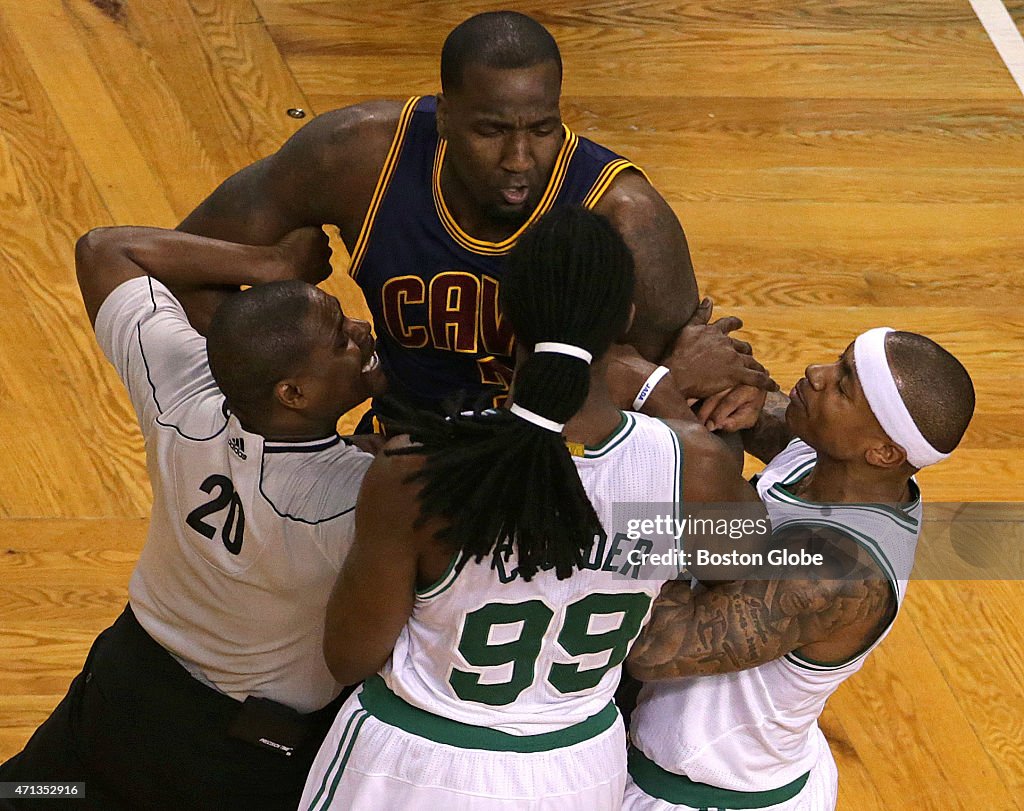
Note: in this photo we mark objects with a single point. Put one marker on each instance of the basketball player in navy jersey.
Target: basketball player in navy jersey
(488, 584)
(430, 195)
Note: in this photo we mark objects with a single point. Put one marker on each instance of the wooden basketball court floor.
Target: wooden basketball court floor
(836, 165)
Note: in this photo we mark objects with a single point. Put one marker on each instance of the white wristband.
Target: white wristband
(648, 387)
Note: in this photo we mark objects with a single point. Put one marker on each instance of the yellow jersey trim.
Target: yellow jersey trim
(547, 200)
(390, 162)
(604, 180)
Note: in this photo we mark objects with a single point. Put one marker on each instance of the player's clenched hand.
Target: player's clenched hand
(306, 253)
(628, 372)
(732, 410)
(705, 360)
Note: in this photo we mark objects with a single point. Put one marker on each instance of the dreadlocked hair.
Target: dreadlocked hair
(496, 480)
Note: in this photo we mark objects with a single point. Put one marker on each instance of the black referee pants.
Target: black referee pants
(144, 735)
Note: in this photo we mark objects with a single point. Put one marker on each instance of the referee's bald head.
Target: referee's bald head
(256, 339)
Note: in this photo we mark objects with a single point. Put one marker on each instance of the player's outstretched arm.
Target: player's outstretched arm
(106, 257)
(324, 174)
(770, 434)
(666, 290)
(836, 611)
(666, 301)
(672, 394)
(374, 594)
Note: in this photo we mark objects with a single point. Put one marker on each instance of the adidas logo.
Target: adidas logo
(237, 445)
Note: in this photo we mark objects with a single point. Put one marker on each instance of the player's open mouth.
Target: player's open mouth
(371, 364)
(515, 196)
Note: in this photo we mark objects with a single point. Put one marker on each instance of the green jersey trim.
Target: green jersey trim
(901, 515)
(616, 438)
(677, 447)
(677, 484)
(444, 582)
(378, 700)
(878, 556)
(869, 543)
(797, 473)
(679, 789)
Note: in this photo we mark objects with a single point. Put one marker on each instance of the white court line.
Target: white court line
(1003, 32)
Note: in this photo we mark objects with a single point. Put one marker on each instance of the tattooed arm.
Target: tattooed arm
(830, 613)
(770, 434)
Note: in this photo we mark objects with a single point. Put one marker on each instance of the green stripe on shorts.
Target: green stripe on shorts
(378, 700)
(343, 752)
(681, 790)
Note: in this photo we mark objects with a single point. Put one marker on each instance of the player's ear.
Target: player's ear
(442, 116)
(885, 454)
(290, 394)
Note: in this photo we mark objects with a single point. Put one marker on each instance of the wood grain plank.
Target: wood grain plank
(22, 433)
(64, 582)
(785, 133)
(44, 306)
(648, 14)
(115, 534)
(884, 225)
(44, 661)
(49, 200)
(864, 275)
(238, 102)
(100, 134)
(904, 721)
(994, 430)
(211, 120)
(837, 166)
(124, 48)
(765, 63)
(685, 181)
(961, 620)
(855, 787)
(64, 604)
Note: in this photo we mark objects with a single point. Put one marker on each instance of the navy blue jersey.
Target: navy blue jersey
(432, 288)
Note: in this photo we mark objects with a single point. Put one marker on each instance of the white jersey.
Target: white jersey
(246, 536)
(757, 730)
(486, 648)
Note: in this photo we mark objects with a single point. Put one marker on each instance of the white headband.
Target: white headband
(536, 419)
(884, 398)
(564, 349)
